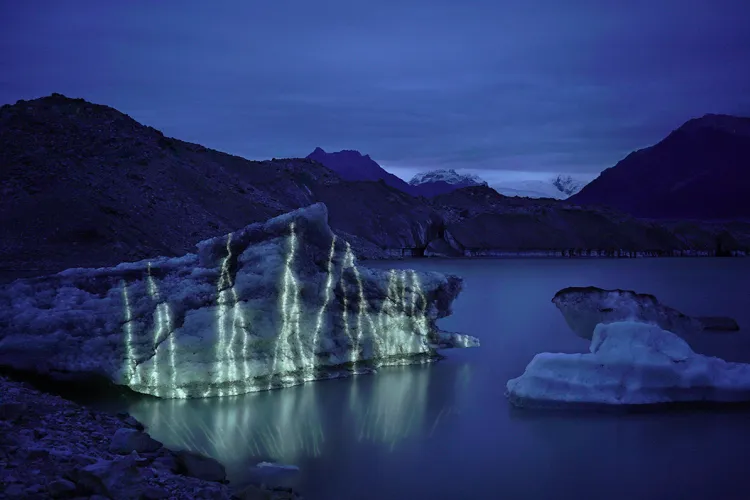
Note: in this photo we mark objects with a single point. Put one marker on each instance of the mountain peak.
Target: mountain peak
(728, 123)
(448, 176)
(354, 166)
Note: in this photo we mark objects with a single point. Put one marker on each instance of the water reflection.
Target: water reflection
(300, 423)
(393, 408)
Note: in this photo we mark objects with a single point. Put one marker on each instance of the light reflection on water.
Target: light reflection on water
(296, 424)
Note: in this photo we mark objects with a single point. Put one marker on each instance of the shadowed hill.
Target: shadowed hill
(699, 171)
(85, 184)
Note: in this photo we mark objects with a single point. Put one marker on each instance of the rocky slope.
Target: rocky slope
(271, 305)
(698, 171)
(53, 448)
(85, 185)
(354, 166)
(480, 221)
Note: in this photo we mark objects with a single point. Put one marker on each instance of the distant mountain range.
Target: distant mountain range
(699, 171)
(354, 166)
(435, 182)
(559, 188)
(82, 184)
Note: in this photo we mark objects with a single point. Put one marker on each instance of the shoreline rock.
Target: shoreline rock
(53, 448)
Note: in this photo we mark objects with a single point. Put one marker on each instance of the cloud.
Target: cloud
(491, 86)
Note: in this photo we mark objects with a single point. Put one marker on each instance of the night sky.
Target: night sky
(491, 86)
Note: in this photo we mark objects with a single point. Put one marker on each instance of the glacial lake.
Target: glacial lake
(446, 431)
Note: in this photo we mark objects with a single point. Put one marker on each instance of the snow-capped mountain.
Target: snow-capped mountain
(560, 187)
(449, 176)
(437, 182)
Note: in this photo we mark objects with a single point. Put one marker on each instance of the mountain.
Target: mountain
(480, 221)
(84, 185)
(559, 188)
(437, 182)
(699, 171)
(354, 166)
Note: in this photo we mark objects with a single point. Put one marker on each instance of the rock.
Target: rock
(14, 491)
(132, 422)
(196, 465)
(60, 488)
(272, 474)
(630, 363)
(33, 489)
(718, 323)
(259, 492)
(586, 307)
(12, 411)
(33, 453)
(272, 465)
(128, 440)
(116, 479)
(166, 462)
(154, 493)
(271, 305)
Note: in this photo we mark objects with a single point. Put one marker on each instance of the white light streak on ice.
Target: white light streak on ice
(290, 312)
(133, 374)
(326, 300)
(162, 323)
(419, 312)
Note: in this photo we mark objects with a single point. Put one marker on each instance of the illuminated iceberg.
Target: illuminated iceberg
(272, 305)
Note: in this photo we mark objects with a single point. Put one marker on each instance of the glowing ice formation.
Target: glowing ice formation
(272, 305)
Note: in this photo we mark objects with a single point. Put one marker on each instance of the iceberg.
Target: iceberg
(585, 307)
(272, 305)
(629, 363)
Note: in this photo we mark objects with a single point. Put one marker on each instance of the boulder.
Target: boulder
(630, 363)
(586, 307)
(199, 466)
(128, 440)
(116, 479)
(271, 305)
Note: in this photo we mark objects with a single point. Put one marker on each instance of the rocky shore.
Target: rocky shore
(53, 448)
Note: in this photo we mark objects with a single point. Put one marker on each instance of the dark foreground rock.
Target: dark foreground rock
(586, 307)
(55, 448)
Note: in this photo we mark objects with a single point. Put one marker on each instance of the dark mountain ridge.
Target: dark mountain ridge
(85, 185)
(699, 171)
(354, 166)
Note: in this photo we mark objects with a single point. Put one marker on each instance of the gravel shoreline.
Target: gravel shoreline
(54, 448)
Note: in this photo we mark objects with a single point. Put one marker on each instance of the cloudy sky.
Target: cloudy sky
(505, 89)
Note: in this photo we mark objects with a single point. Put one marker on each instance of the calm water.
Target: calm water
(446, 431)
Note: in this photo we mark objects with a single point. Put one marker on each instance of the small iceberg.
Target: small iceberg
(630, 363)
